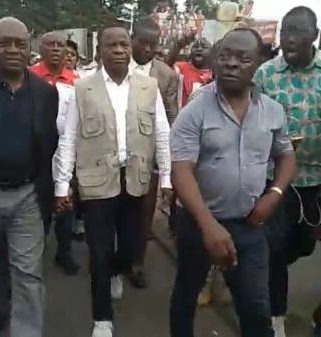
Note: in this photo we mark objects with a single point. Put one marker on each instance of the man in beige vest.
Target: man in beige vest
(120, 125)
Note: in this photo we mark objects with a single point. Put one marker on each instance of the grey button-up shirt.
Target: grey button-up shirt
(231, 158)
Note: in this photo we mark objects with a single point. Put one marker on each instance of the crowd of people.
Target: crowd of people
(174, 24)
(228, 136)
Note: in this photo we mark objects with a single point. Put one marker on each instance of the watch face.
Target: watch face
(296, 140)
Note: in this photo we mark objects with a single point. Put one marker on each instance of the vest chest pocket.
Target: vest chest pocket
(146, 120)
(92, 125)
(145, 125)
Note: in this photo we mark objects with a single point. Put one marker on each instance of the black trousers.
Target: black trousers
(63, 230)
(104, 218)
(289, 240)
(248, 282)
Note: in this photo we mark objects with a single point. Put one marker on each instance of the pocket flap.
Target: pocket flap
(145, 125)
(146, 108)
(92, 125)
(92, 177)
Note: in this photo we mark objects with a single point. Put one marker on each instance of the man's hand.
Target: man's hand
(63, 204)
(167, 196)
(264, 208)
(186, 40)
(219, 245)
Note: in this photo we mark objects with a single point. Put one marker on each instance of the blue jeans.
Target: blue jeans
(248, 282)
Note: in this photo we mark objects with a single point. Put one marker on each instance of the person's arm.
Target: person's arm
(171, 98)
(185, 148)
(65, 156)
(162, 130)
(283, 154)
(177, 47)
(52, 132)
(284, 171)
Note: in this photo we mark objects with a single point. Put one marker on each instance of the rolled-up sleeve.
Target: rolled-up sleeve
(186, 133)
(162, 144)
(64, 159)
(281, 139)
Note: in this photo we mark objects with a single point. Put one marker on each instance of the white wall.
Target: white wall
(276, 9)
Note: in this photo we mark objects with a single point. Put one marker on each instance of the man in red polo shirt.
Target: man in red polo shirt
(52, 69)
(195, 72)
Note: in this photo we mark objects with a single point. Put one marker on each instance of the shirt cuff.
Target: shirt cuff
(165, 181)
(61, 189)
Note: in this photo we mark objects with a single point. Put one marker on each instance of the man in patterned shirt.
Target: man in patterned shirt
(294, 80)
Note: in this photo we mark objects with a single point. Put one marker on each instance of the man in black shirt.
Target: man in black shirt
(28, 138)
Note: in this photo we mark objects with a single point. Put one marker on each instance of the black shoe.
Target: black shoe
(317, 331)
(68, 264)
(137, 279)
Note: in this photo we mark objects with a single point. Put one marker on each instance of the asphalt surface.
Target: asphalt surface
(144, 313)
(141, 313)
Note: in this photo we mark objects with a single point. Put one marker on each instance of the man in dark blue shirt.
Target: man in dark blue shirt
(16, 157)
(28, 138)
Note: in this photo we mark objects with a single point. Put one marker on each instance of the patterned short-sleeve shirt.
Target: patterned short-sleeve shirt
(299, 91)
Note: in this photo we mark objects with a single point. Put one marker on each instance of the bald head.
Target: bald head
(11, 25)
(14, 51)
(53, 36)
(53, 49)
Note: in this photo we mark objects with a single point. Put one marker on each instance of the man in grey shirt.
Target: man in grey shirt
(221, 144)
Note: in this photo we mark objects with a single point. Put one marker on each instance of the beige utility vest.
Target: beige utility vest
(97, 163)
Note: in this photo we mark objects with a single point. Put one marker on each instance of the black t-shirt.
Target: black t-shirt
(16, 132)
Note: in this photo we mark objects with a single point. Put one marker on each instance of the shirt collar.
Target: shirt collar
(255, 93)
(146, 68)
(281, 65)
(25, 82)
(108, 79)
(64, 75)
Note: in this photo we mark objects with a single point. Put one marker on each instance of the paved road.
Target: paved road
(145, 313)
(139, 314)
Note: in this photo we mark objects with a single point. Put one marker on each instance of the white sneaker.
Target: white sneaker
(103, 329)
(278, 326)
(116, 288)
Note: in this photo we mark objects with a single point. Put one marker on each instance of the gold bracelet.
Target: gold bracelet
(277, 190)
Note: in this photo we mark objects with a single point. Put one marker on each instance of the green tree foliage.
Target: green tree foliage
(205, 5)
(44, 15)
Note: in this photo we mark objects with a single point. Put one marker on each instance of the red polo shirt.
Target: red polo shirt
(191, 79)
(66, 76)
